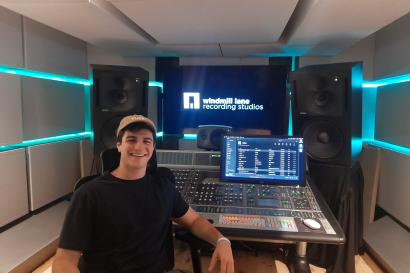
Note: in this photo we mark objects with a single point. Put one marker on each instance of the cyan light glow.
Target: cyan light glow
(43, 75)
(290, 124)
(190, 136)
(388, 146)
(386, 81)
(290, 121)
(293, 63)
(356, 146)
(87, 106)
(160, 134)
(33, 142)
(156, 84)
(369, 113)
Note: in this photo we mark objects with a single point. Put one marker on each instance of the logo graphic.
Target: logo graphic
(191, 100)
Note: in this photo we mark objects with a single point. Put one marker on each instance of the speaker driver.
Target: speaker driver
(323, 140)
(119, 94)
(319, 95)
(216, 137)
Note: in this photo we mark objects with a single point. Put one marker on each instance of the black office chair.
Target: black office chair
(110, 159)
(81, 181)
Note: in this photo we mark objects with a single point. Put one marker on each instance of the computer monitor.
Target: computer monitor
(267, 160)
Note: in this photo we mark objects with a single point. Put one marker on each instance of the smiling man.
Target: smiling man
(119, 222)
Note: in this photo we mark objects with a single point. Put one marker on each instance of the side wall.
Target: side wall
(387, 173)
(32, 108)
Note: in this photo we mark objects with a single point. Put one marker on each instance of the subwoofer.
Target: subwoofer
(117, 91)
(327, 111)
(209, 137)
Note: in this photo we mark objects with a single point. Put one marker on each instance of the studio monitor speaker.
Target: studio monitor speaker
(327, 111)
(209, 137)
(118, 91)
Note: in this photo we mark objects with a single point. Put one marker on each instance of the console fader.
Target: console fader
(249, 206)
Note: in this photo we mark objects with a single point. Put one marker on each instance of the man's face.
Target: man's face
(136, 148)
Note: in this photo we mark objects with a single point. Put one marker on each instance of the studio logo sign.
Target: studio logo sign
(193, 101)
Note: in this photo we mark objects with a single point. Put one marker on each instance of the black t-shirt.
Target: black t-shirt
(121, 225)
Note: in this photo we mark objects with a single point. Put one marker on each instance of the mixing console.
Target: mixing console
(249, 206)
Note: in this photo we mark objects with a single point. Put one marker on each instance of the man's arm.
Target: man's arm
(204, 230)
(66, 261)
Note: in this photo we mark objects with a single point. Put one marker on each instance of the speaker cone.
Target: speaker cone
(323, 140)
(319, 94)
(119, 94)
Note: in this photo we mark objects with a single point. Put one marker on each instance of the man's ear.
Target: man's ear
(118, 144)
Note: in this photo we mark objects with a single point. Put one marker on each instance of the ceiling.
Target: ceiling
(215, 28)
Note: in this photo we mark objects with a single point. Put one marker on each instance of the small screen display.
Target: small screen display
(270, 203)
(269, 160)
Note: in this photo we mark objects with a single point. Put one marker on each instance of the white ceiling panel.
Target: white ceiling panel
(331, 26)
(243, 50)
(210, 21)
(78, 18)
(168, 50)
(204, 28)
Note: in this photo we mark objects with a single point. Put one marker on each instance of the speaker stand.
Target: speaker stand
(298, 262)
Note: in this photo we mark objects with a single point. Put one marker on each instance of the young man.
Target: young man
(118, 223)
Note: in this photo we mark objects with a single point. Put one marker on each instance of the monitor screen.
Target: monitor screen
(236, 96)
(268, 160)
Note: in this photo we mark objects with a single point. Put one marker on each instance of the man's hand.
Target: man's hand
(223, 254)
(201, 228)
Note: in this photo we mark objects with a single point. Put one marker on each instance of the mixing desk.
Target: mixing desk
(254, 210)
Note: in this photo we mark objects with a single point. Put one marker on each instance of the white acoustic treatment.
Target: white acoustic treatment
(11, 46)
(394, 189)
(10, 110)
(13, 186)
(51, 108)
(53, 170)
(53, 51)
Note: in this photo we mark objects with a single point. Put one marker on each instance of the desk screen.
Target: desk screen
(268, 160)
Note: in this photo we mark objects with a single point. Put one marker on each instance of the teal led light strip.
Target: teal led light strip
(388, 146)
(369, 112)
(290, 121)
(33, 142)
(293, 63)
(156, 84)
(190, 136)
(387, 81)
(43, 75)
(160, 134)
(53, 77)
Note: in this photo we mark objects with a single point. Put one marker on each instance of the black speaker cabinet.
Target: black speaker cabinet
(117, 91)
(327, 111)
(209, 137)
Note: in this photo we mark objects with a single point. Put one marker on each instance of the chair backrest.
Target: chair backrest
(110, 159)
(81, 181)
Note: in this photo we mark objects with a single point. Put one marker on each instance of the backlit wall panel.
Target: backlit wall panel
(53, 170)
(50, 50)
(10, 110)
(11, 46)
(51, 108)
(393, 114)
